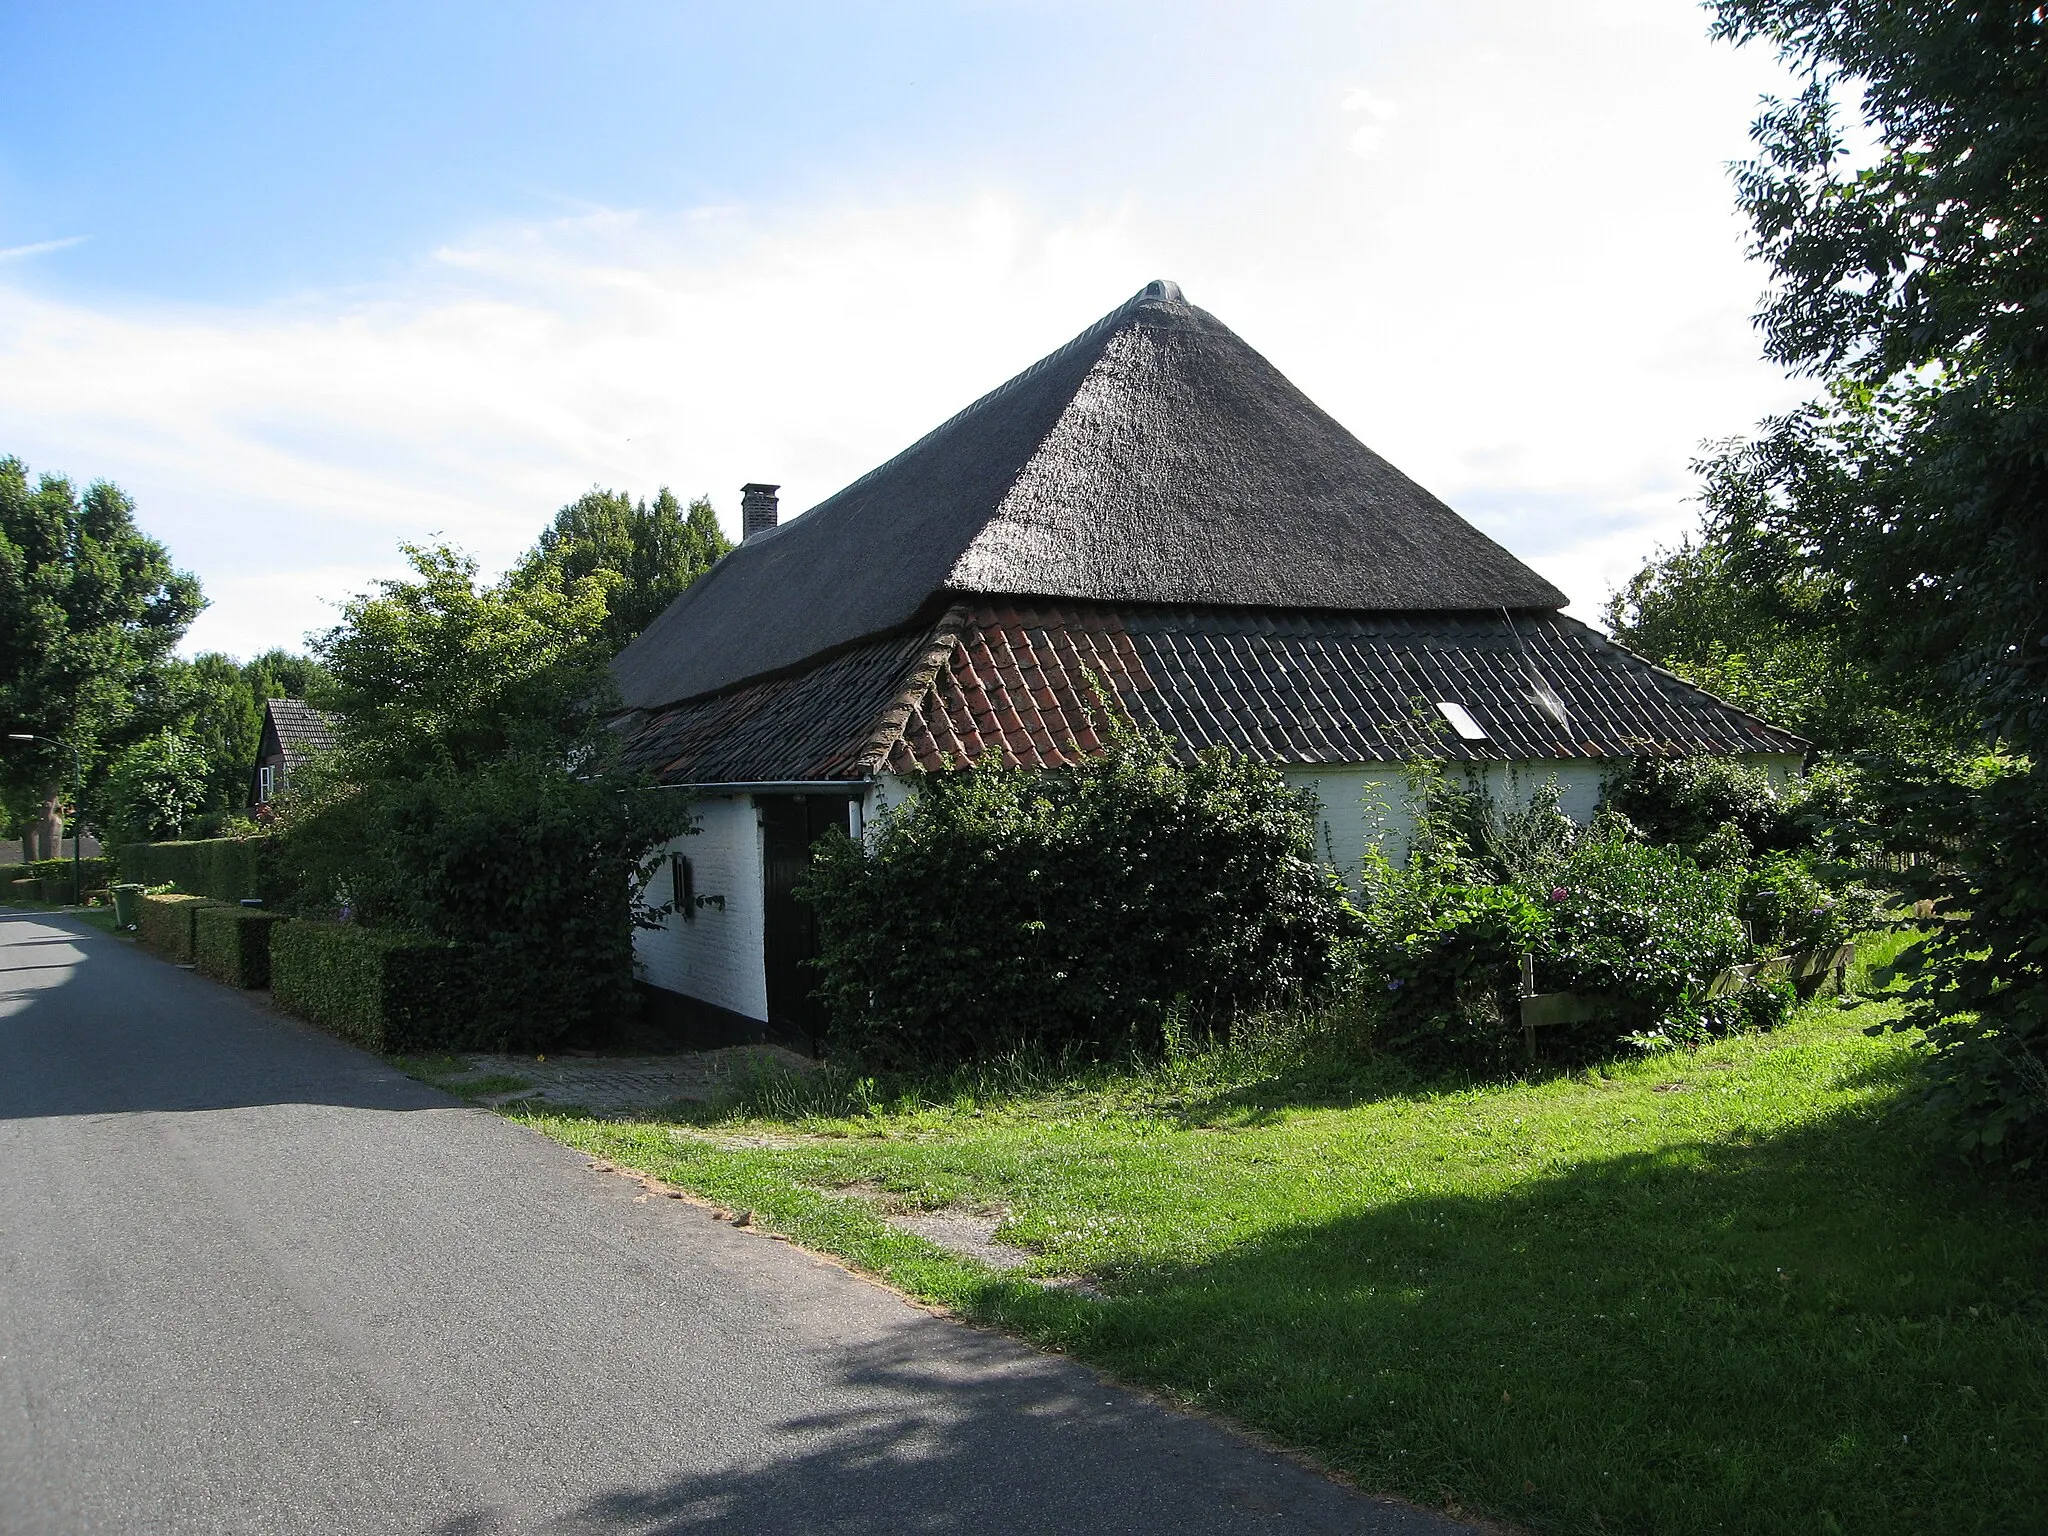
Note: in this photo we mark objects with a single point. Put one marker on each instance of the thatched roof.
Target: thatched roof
(1300, 687)
(1156, 458)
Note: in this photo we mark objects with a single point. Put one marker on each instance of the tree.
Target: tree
(437, 671)
(223, 719)
(218, 702)
(644, 554)
(1744, 614)
(1911, 280)
(90, 611)
(155, 787)
(280, 674)
(1912, 284)
(473, 795)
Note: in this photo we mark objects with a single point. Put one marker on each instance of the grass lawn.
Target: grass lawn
(1730, 1291)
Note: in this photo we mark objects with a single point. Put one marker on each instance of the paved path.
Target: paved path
(612, 1083)
(252, 1280)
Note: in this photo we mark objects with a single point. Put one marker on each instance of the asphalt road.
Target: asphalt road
(253, 1280)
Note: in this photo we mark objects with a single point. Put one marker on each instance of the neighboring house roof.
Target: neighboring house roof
(1290, 686)
(292, 731)
(1154, 459)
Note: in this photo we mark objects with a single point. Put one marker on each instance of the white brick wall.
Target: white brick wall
(1369, 804)
(717, 955)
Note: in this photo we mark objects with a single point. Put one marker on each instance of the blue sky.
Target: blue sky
(311, 280)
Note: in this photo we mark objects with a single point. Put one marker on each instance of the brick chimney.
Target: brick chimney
(757, 509)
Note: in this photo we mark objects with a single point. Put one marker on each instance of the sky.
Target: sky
(310, 282)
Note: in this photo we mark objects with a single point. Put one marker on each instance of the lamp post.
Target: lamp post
(77, 803)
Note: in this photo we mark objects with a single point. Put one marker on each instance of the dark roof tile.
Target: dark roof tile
(1300, 687)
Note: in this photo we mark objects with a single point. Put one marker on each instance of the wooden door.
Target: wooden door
(789, 825)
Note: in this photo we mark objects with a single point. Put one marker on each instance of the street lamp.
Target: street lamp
(77, 803)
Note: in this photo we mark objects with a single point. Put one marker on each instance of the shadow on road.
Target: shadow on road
(968, 1439)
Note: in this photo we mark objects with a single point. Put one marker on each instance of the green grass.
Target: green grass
(449, 1074)
(1728, 1291)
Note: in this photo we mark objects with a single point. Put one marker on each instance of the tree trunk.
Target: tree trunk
(49, 830)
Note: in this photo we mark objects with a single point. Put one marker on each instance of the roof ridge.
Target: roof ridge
(1011, 385)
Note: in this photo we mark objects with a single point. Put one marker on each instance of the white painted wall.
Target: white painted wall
(890, 790)
(716, 955)
(1367, 803)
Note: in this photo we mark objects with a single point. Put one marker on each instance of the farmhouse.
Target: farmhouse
(1152, 511)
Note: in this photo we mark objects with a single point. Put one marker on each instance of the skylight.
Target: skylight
(1462, 722)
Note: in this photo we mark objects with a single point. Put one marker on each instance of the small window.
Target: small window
(683, 887)
(1462, 722)
(266, 782)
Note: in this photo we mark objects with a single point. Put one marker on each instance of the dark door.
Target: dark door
(789, 825)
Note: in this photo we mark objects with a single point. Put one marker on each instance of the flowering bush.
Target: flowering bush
(1440, 964)
(1790, 908)
(1638, 922)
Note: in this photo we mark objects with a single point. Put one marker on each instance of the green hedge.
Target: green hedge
(24, 888)
(225, 868)
(166, 923)
(232, 944)
(383, 991)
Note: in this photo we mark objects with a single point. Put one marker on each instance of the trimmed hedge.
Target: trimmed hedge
(166, 923)
(24, 889)
(386, 992)
(56, 876)
(232, 944)
(225, 868)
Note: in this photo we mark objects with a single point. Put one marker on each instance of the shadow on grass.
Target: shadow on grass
(1771, 1333)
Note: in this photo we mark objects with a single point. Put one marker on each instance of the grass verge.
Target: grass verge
(1725, 1291)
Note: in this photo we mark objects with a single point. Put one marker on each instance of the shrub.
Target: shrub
(1641, 932)
(1648, 927)
(382, 991)
(166, 921)
(1472, 837)
(1687, 800)
(1789, 907)
(1980, 978)
(25, 889)
(519, 859)
(56, 875)
(1441, 965)
(225, 868)
(232, 944)
(1073, 911)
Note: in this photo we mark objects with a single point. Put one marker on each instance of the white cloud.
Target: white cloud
(40, 248)
(1370, 136)
(1532, 299)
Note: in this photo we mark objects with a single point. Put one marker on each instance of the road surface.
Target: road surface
(254, 1280)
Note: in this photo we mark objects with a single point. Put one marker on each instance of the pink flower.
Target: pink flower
(1558, 893)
